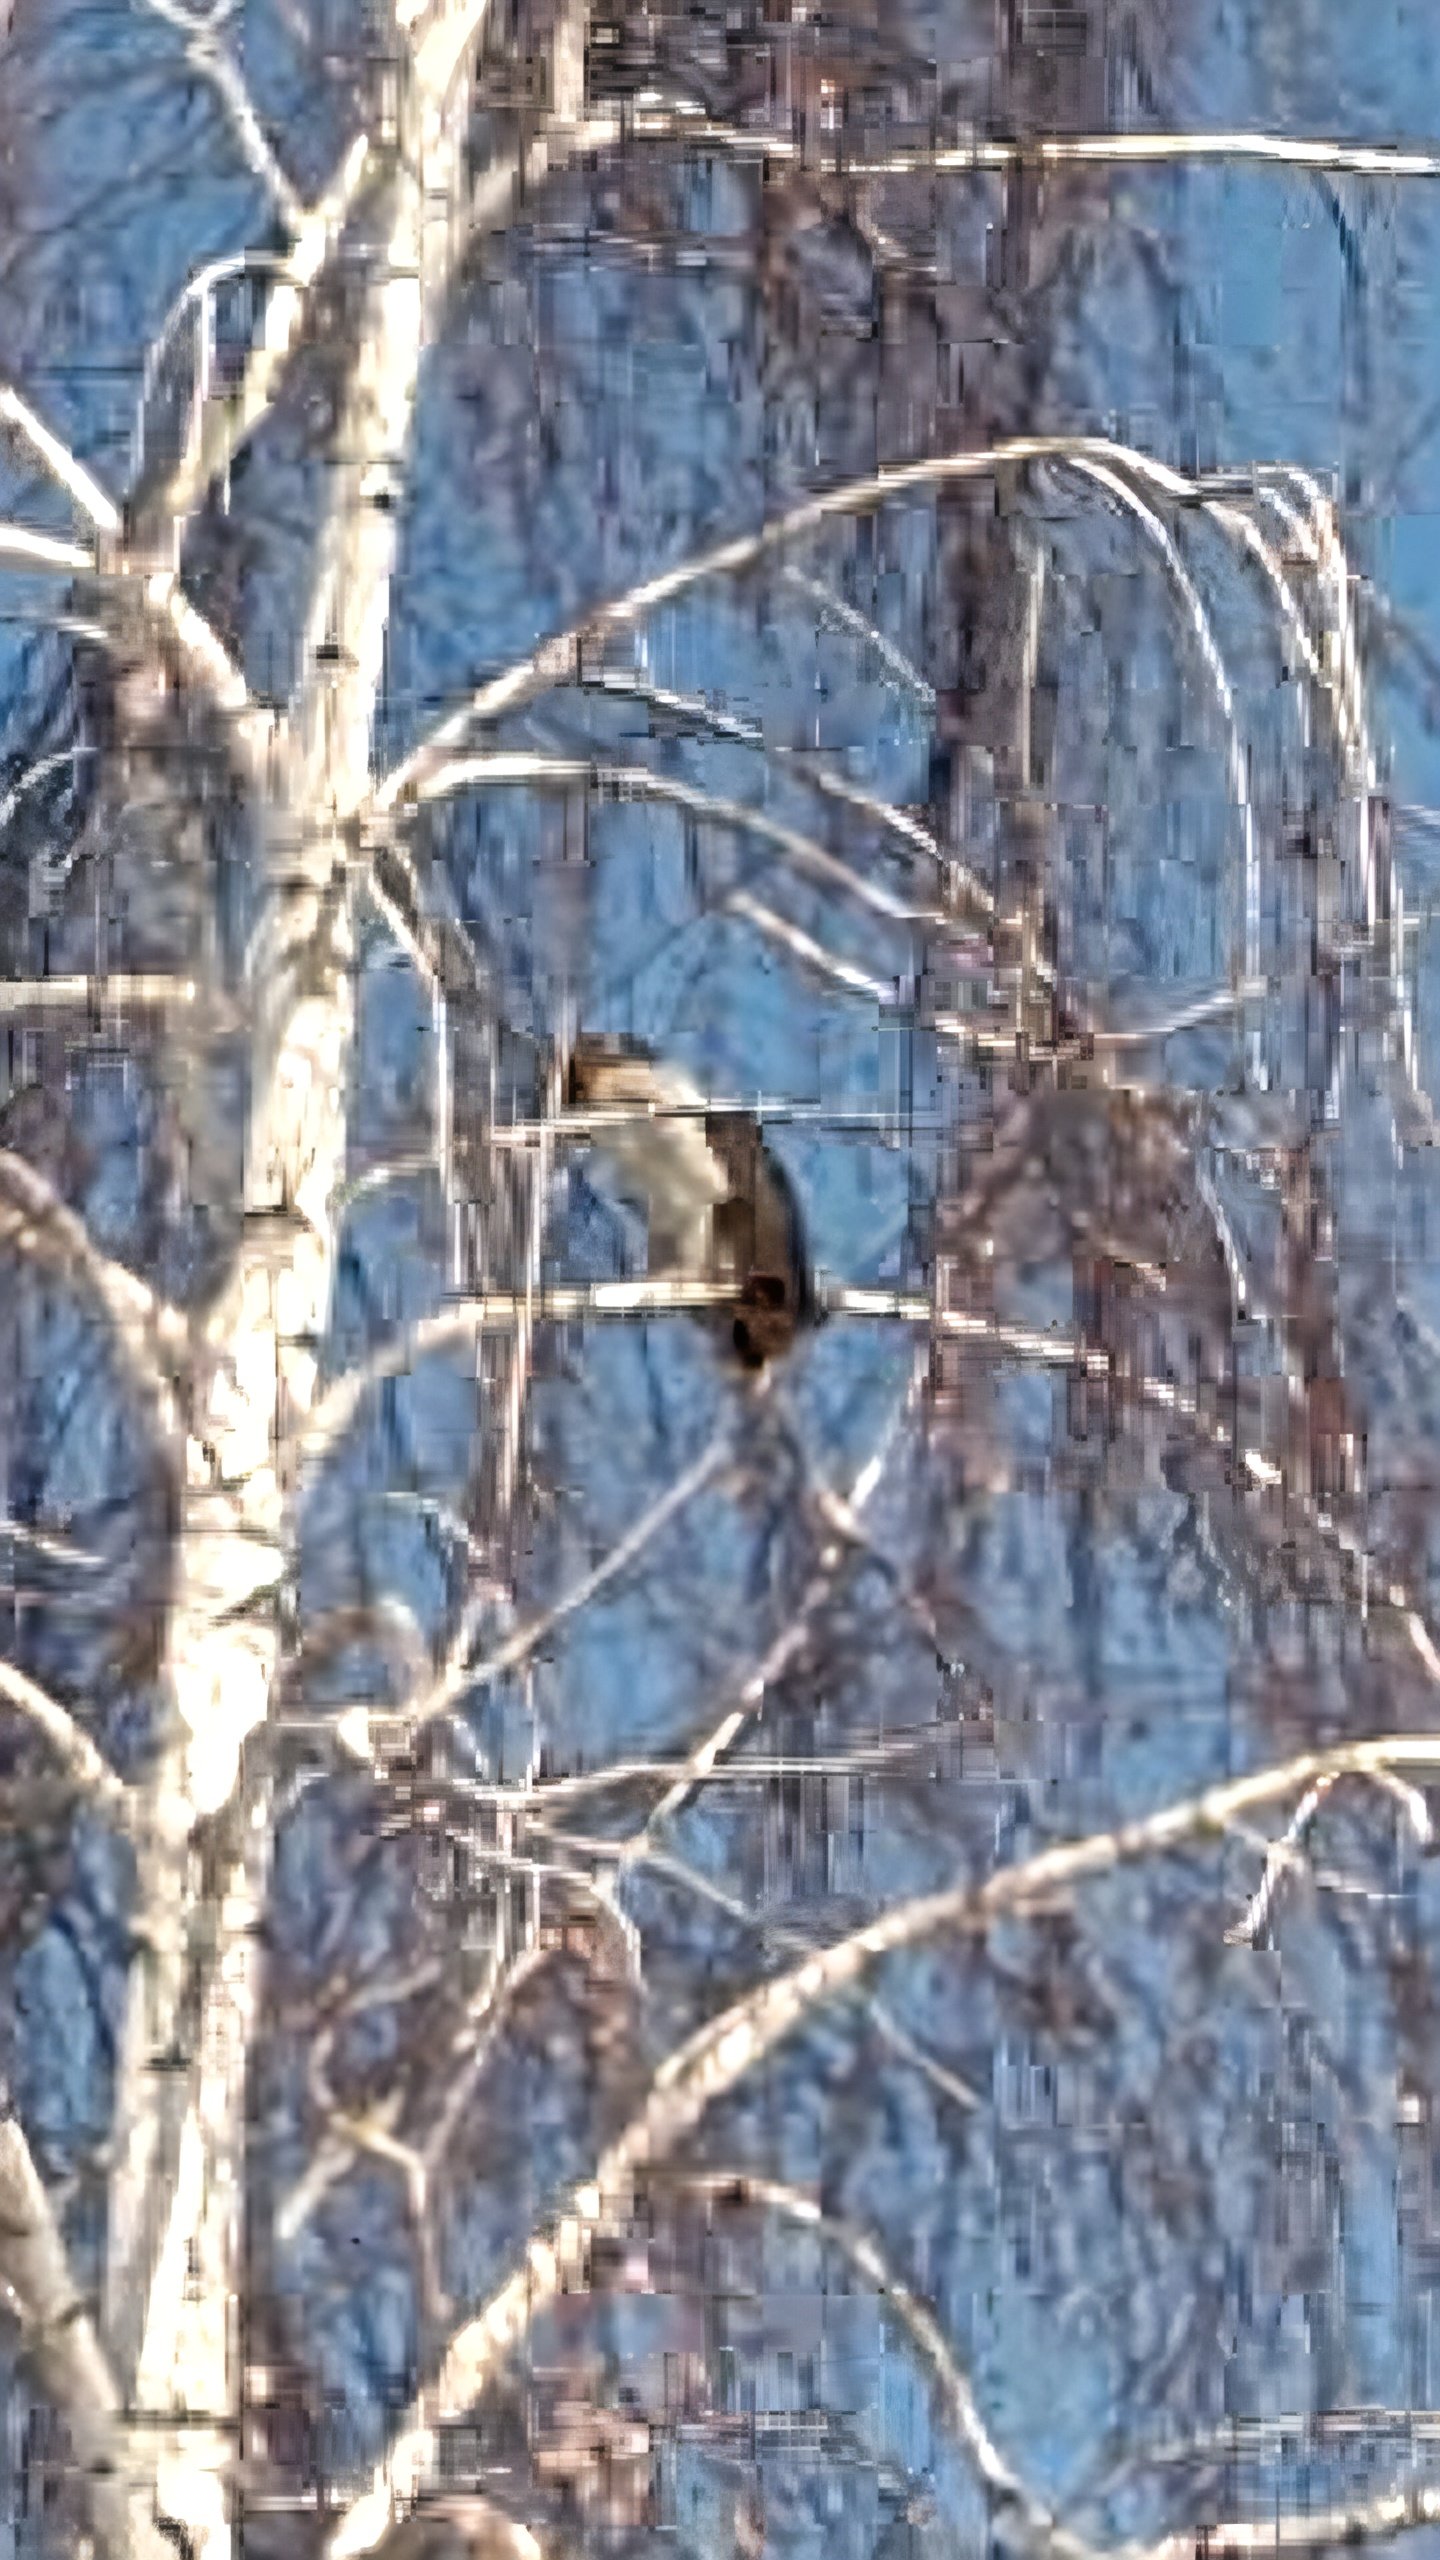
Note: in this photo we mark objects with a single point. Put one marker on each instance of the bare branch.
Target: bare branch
(145, 1326)
(819, 776)
(97, 995)
(886, 996)
(222, 425)
(252, 730)
(638, 782)
(461, 1679)
(1284, 1854)
(499, 1312)
(675, 120)
(206, 54)
(721, 1740)
(70, 474)
(70, 1743)
(42, 550)
(61, 2343)
(42, 1542)
(957, 2399)
(725, 2051)
(561, 659)
(1158, 533)
(1341, 2527)
(834, 609)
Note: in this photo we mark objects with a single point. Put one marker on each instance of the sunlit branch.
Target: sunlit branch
(766, 1107)
(102, 994)
(818, 776)
(42, 550)
(34, 1219)
(1056, 1349)
(887, 997)
(198, 288)
(69, 474)
(741, 2189)
(222, 425)
(729, 2048)
(207, 56)
(70, 1743)
(638, 782)
(549, 1796)
(1158, 533)
(560, 660)
(41, 1542)
(460, 1678)
(59, 2339)
(1188, 1017)
(499, 1312)
(410, 943)
(664, 120)
(1316, 537)
(751, 1692)
(1284, 1853)
(835, 609)
(251, 727)
(1301, 2531)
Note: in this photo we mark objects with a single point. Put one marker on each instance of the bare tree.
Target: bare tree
(653, 1720)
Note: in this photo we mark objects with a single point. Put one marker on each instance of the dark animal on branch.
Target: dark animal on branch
(719, 1204)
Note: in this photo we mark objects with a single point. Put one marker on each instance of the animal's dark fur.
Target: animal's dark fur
(753, 1232)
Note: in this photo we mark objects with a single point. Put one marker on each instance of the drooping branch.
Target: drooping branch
(152, 1336)
(561, 659)
(725, 2051)
(68, 1740)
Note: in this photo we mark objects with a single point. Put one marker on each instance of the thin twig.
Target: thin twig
(461, 1679)
(674, 120)
(638, 782)
(729, 2048)
(560, 660)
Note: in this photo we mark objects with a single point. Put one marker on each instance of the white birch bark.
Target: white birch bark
(173, 2276)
